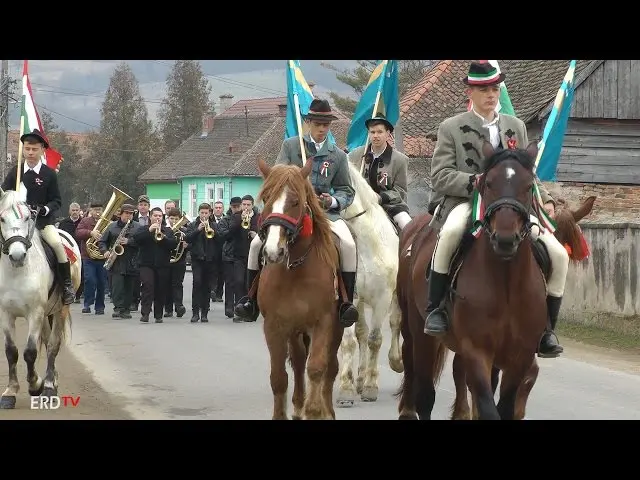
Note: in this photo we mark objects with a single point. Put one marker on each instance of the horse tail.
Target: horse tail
(438, 366)
(65, 322)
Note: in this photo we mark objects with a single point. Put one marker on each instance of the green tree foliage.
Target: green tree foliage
(126, 144)
(185, 103)
(410, 71)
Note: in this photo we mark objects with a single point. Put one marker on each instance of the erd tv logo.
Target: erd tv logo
(54, 402)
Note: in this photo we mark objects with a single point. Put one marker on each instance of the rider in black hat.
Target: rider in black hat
(41, 183)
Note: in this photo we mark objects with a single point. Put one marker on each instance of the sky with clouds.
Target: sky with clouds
(73, 90)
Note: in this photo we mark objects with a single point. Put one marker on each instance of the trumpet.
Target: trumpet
(246, 219)
(208, 231)
(159, 235)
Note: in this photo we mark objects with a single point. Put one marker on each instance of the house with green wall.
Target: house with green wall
(220, 162)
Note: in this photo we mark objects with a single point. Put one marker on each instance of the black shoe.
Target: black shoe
(86, 310)
(549, 346)
(180, 311)
(144, 318)
(68, 293)
(246, 307)
(437, 322)
(348, 311)
(168, 314)
(203, 316)
(196, 316)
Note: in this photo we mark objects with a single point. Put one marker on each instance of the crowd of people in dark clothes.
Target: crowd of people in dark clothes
(143, 276)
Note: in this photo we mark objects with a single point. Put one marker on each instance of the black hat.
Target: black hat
(320, 111)
(235, 201)
(379, 118)
(96, 205)
(483, 74)
(37, 135)
(127, 208)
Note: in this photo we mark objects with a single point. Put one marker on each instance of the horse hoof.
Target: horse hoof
(396, 365)
(37, 391)
(344, 403)
(49, 392)
(296, 417)
(408, 416)
(359, 386)
(369, 394)
(7, 403)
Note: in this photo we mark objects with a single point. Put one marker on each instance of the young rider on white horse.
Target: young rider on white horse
(385, 169)
(330, 172)
(41, 183)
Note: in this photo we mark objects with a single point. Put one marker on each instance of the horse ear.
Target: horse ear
(532, 149)
(306, 170)
(584, 210)
(263, 167)
(487, 149)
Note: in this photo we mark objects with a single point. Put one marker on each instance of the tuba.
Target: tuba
(179, 250)
(118, 197)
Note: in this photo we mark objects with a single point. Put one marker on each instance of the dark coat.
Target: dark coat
(200, 246)
(236, 238)
(154, 254)
(127, 263)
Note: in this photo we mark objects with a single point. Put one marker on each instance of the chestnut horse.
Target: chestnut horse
(499, 313)
(297, 292)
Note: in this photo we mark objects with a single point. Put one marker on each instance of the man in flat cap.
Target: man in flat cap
(456, 165)
(43, 192)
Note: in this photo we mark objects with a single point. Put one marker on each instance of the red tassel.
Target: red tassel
(585, 247)
(307, 226)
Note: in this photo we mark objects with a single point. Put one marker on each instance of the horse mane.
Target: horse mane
(9, 198)
(362, 187)
(568, 234)
(519, 155)
(282, 176)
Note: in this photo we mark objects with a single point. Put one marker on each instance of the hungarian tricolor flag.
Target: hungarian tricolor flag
(504, 102)
(30, 120)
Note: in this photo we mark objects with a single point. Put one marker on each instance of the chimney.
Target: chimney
(226, 101)
(231, 147)
(282, 109)
(207, 123)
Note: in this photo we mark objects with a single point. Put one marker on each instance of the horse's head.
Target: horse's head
(16, 227)
(506, 188)
(288, 199)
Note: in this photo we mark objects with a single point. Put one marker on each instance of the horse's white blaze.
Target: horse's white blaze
(510, 172)
(271, 245)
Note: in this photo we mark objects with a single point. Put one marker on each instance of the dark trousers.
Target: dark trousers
(137, 288)
(176, 279)
(235, 283)
(155, 286)
(218, 280)
(82, 280)
(121, 291)
(95, 282)
(203, 274)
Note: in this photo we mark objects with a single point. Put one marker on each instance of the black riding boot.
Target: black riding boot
(68, 293)
(348, 312)
(437, 322)
(246, 307)
(549, 346)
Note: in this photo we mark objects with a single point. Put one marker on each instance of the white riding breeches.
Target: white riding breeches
(348, 257)
(402, 219)
(453, 230)
(50, 235)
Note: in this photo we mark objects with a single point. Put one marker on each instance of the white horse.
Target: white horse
(377, 246)
(26, 290)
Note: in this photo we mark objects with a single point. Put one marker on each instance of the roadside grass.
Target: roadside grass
(614, 332)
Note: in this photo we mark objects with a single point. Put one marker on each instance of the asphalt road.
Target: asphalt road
(220, 370)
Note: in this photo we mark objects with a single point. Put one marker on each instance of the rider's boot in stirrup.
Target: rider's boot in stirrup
(348, 312)
(246, 307)
(549, 346)
(437, 322)
(68, 292)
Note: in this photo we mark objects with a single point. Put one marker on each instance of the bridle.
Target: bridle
(26, 241)
(292, 226)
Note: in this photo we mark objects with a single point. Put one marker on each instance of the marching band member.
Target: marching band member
(142, 216)
(330, 178)
(124, 271)
(217, 287)
(156, 242)
(176, 271)
(95, 275)
(385, 170)
(201, 238)
(41, 183)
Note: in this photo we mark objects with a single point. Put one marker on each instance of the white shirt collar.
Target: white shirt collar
(484, 120)
(318, 145)
(35, 169)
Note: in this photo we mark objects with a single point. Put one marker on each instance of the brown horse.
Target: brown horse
(498, 306)
(297, 292)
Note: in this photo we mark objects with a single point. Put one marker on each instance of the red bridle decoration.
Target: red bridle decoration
(307, 226)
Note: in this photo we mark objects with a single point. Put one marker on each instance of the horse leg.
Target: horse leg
(395, 355)
(374, 342)
(362, 332)
(58, 322)
(298, 355)
(460, 408)
(8, 399)
(406, 404)
(478, 366)
(330, 375)
(277, 345)
(525, 389)
(35, 338)
(347, 391)
(321, 338)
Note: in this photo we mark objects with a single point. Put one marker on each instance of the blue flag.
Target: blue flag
(297, 85)
(383, 82)
(550, 146)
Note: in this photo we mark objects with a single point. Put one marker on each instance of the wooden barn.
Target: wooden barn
(601, 150)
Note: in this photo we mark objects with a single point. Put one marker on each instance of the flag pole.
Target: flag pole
(19, 164)
(296, 103)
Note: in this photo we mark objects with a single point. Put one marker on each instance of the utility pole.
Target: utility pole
(246, 118)
(4, 115)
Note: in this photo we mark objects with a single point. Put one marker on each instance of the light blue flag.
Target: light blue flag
(383, 82)
(297, 85)
(550, 146)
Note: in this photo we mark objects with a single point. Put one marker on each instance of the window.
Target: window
(193, 201)
(209, 193)
(219, 192)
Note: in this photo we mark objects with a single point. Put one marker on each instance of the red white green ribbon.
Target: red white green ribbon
(325, 169)
(477, 213)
